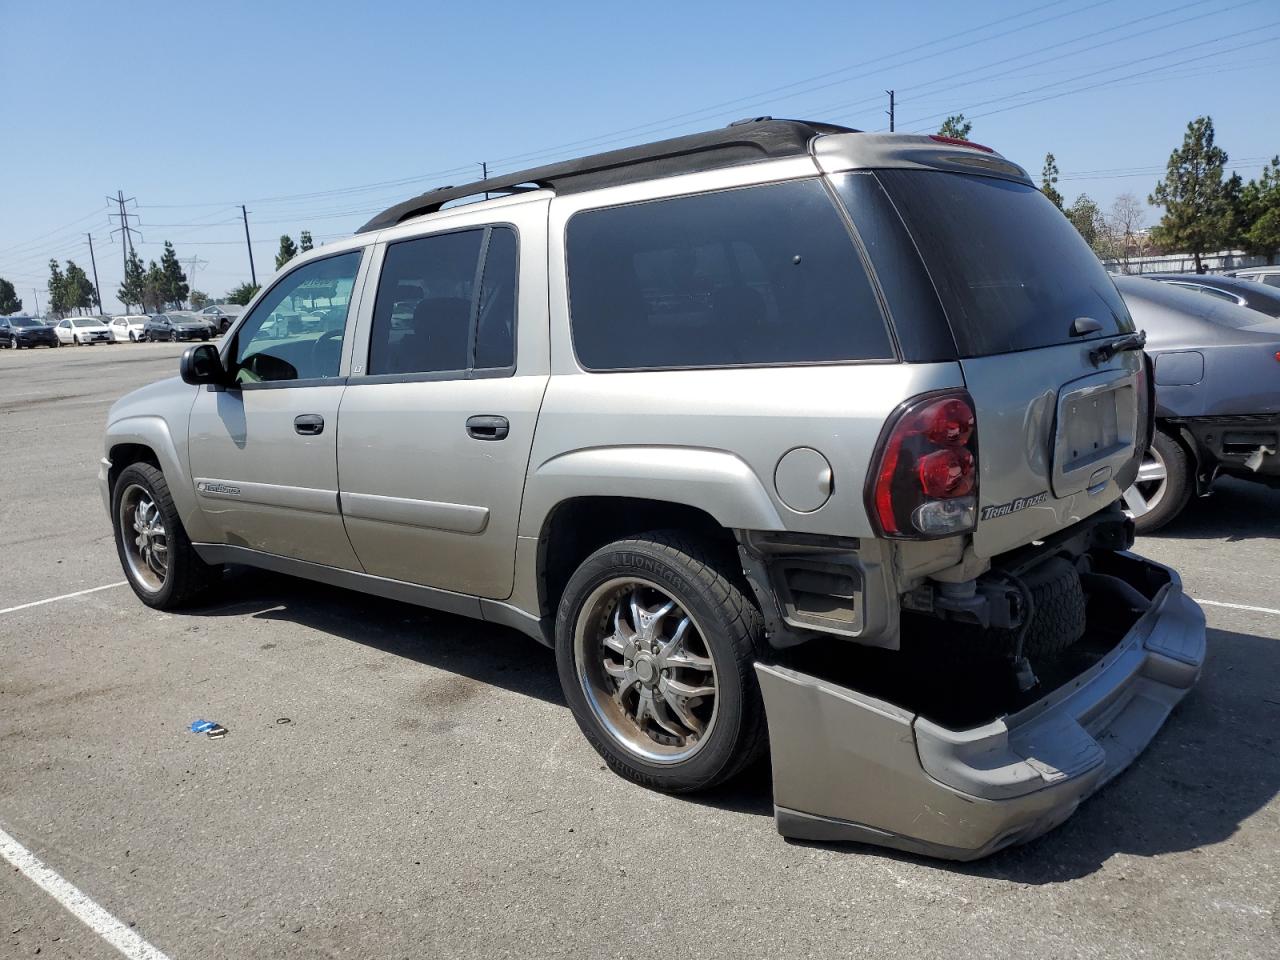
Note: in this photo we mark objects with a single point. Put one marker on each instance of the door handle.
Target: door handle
(309, 424)
(488, 428)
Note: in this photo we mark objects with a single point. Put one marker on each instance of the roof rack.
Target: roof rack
(744, 141)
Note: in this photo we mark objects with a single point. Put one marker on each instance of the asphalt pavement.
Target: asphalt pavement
(403, 783)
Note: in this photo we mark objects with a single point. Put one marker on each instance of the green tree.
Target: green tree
(155, 289)
(199, 299)
(1086, 217)
(9, 300)
(305, 241)
(57, 291)
(243, 293)
(1259, 212)
(175, 281)
(1049, 180)
(134, 282)
(955, 126)
(287, 251)
(1197, 209)
(78, 292)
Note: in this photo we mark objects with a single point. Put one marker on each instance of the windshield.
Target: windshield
(85, 322)
(23, 322)
(1011, 271)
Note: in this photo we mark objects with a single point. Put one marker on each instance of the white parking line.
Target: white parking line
(1213, 603)
(77, 903)
(65, 596)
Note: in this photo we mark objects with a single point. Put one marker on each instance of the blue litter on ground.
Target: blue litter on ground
(209, 727)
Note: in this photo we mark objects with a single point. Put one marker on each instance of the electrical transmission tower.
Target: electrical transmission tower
(191, 263)
(126, 246)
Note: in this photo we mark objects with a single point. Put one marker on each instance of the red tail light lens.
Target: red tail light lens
(926, 475)
(946, 473)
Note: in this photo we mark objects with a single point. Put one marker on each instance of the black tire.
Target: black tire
(1179, 483)
(173, 337)
(55, 343)
(14, 344)
(188, 577)
(731, 629)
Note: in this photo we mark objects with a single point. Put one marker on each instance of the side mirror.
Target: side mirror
(201, 364)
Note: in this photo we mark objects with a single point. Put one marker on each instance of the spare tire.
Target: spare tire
(1057, 622)
(1059, 617)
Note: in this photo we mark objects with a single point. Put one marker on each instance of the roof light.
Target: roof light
(958, 142)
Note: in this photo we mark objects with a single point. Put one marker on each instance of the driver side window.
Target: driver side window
(296, 331)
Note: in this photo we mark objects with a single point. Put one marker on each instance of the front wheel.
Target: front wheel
(13, 344)
(161, 565)
(656, 646)
(173, 337)
(1163, 486)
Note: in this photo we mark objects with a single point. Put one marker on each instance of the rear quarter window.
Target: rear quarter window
(751, 276)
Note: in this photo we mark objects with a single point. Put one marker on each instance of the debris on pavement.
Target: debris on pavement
(213, 730)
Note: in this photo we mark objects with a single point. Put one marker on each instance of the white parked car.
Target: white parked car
(128, 328)
(221, 315)
(80, 330)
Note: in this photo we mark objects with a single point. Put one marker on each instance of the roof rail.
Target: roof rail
(744, 141)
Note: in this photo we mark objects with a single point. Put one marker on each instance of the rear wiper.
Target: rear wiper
(1130, 341)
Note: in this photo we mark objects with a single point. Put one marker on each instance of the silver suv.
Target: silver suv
(779, 420)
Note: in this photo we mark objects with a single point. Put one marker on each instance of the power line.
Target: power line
(1119, 66)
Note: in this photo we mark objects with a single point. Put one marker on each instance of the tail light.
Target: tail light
(924, 481)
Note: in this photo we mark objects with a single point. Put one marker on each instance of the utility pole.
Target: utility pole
(97, 291)
(248, 243)
(35, 292)
(191, 263)
(484, 175)
(890, 110)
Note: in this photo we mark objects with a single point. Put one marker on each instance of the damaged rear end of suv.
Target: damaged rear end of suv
(1030, 655)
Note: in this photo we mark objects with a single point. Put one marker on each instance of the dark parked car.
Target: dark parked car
(163, 326)
(1217, 378)
(222, 315)
(19, 332)
(1243, 293)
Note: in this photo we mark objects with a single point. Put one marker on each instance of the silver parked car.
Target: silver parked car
(782, 420)
(1217, 376)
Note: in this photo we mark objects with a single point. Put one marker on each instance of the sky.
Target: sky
(316, 115)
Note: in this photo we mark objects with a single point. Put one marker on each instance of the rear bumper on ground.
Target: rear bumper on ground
(849, 767)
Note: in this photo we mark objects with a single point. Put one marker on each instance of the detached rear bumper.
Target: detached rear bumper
(847, 766)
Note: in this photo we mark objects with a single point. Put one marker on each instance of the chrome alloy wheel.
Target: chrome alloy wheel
(146, 544)
(1150, 486)
(646, 670)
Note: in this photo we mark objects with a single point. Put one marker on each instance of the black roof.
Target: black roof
(742, 142)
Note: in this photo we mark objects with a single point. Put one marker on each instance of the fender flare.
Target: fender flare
(153, 433)
(719, 483)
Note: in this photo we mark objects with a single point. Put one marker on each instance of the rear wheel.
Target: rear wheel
(655, 646)
(161, 565)
(1163, 486)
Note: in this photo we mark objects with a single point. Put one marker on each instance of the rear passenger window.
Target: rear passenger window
(757, 275)
(446, 304)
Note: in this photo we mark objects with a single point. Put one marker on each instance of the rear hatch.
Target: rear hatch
(1034, 317)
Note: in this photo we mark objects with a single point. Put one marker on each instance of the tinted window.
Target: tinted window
(1271, 279)
(496, 310)
(758, 275)
(295, 332)
(431, 316)
(1010, 269)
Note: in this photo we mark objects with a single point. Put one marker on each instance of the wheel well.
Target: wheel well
(124, 454)
(578, 527)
